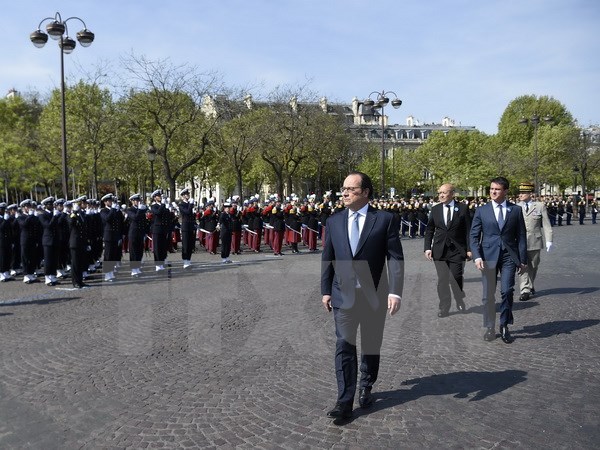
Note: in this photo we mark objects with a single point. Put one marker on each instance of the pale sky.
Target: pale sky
(465, 59)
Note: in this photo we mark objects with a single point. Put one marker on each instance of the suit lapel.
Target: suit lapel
(367, 227)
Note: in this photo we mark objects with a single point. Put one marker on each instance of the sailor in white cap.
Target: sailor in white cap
(160, 229)
(138, 227)
(79, 243)
(63, 237)
(30, 226)
(188, 227)
(49, 220)
(112, 233)
(6, 243)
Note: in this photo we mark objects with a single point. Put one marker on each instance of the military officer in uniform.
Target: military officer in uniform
(539, 231)
(6, 243)
(188, 227)
(161, 217)
(49, 219)
(62, 232)
(225, 228)
(112, 229)
(138, 227)
(79, 243)
(28, 226)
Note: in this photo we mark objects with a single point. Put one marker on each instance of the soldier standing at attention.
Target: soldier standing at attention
(188, 227)
(160, 229)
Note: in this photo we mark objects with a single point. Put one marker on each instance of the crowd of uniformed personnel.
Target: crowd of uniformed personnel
(60, 238)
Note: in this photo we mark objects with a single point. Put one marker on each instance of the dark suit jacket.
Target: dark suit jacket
(379, 242)
(455, 236)
(487, 240)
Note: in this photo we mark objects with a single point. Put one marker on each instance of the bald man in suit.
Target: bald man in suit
(359, 242)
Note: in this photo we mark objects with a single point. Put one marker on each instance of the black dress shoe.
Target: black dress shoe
(524, 297)
(365, 398)
(489, 335)
(340, 411)
(505, 335)
(460, 306)
(443, 313)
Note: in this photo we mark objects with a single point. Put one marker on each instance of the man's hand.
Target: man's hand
(548, 246)
(327, 302)
(469, 256)
(480, 264)
(522, 268)
(393, 304)
(428, 255)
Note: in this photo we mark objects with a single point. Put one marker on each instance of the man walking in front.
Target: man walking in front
(499, 245)
(354, 285)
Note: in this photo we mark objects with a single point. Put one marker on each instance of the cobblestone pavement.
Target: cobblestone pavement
(242, 356)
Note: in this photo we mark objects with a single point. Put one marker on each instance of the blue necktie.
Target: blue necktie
(500, 217)
(354, 233)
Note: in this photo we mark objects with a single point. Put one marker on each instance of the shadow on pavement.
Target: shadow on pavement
(548, 329)
(458, 384)
(42, 301)
(567, 290)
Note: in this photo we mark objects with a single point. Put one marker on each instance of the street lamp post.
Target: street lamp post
(381, 102)
(151, 152)
(57, 29)
(535, 121)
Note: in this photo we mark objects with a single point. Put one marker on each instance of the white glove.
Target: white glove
(75, 207)
(143, 208)
(6, 216)
(548, 246)
(191, 201)
(115, 206)
(56, 212)
(31, 212)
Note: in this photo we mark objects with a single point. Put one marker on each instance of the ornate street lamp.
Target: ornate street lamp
(151, 153)
(57, 29)
(381, 102)
(535, 121)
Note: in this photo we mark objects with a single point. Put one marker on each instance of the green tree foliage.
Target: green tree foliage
(19, 145)
(166, 107)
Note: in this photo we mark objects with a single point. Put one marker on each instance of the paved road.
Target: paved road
(241, 355)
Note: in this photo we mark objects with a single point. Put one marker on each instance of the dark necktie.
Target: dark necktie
(354, 233)
(448, 215)
(527, 207)
(500, 217)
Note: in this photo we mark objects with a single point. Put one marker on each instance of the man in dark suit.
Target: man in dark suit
(188, 227)
(499, 244)
(354, 285)
(447, 243)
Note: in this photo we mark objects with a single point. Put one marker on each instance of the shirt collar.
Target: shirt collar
(362, 211)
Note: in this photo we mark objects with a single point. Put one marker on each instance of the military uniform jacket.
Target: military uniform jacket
(138, 224)
(225, 223)
(188, 220)
(277, 219)
(538, 225)
(112, 224)
(50, 228)
(30, 227)
(78, 231)
(6, 232)
(162, 218)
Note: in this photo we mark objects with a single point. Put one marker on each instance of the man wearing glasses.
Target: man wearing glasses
(355, 287)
